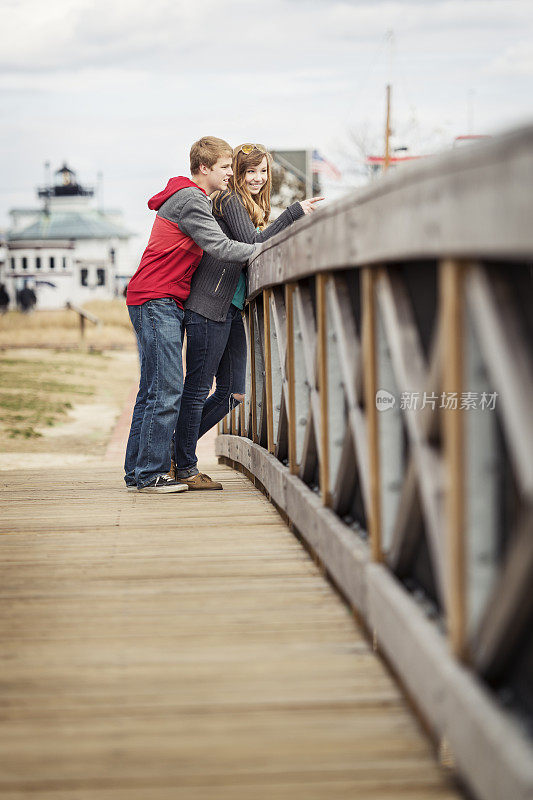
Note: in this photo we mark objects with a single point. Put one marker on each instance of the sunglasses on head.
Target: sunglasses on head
(248, 148)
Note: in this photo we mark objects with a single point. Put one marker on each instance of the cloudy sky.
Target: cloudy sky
(125, 86)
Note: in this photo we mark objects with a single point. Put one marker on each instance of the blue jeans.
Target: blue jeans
(158, 326)
(214, 349)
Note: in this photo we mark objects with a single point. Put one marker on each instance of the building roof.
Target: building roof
(64, 224)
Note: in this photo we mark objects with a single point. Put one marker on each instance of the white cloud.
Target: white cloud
(515, 60)
(179, 35)
(125, 86)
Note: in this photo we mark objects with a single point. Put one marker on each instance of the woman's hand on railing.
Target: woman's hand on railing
(308, 206)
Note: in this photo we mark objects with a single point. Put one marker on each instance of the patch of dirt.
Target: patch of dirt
(89, 421)
(81, 435)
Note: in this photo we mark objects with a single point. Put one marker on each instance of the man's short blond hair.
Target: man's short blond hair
(208, 150)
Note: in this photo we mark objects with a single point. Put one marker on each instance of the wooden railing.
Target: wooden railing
(82, 316)
(389, 415)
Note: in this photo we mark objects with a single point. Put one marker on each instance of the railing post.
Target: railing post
(268, 370)
(322, 373)
(253, 398)
(83, 316)
(368, 278)
(240, 419)
(451, 289)
(291, 389)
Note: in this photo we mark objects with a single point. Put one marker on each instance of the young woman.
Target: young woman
(216, 341)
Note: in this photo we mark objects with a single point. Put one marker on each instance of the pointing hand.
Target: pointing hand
(308, 206)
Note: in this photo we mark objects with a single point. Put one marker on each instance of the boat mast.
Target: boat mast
(387, 130)
(390, 41)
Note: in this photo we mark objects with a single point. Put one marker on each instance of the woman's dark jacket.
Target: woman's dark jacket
(214, 282)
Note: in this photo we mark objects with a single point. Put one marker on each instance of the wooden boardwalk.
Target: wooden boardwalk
(185, 647)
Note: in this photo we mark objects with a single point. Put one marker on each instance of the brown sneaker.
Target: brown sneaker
(200, 481)
(172, 471)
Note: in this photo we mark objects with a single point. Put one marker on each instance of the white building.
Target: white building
(67, 250)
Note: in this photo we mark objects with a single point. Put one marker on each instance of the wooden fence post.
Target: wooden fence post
(368, 279)
(322, 373)
(253, 390)
(268, 370)
(291, 390)
(451, 285)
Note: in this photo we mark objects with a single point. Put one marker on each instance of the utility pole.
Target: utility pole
(387, 130)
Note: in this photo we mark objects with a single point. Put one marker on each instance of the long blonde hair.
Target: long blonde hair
(258, 206)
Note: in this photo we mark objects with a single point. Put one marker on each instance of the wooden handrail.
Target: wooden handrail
(83, 315)
(471, 202)
(391, 374)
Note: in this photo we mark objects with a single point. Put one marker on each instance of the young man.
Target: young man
(184, 227)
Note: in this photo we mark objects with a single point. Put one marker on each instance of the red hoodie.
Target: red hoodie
(170, 258)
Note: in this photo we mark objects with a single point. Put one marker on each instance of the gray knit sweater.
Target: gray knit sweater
(214, 282)
(192, 210)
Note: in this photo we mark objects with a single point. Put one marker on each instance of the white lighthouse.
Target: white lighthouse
(66, 250)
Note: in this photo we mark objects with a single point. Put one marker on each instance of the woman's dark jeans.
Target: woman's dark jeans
(214, 349)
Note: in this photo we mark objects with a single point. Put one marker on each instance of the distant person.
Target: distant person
(216, 341)
(4, 299)
(183, 228)
(27, 299)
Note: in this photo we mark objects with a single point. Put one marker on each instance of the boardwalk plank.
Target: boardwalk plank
(185, 647)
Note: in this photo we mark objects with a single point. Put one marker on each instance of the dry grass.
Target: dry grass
(42, 390)
(37, 392)
(59, 329)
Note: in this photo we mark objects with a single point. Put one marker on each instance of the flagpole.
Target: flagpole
(308, 173)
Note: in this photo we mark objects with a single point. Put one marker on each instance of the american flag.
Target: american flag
(320, 164)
